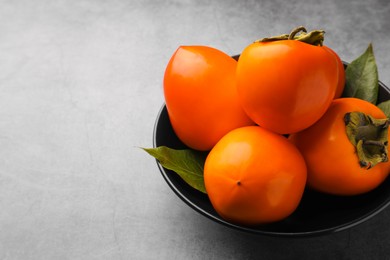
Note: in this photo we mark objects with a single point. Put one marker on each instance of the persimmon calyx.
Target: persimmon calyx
(315, 37)
(369, 136)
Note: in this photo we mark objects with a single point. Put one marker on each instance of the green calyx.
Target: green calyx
(369, 136)
(315, 37)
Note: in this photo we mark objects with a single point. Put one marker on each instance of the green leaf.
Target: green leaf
(362, 77)
(187, 163)
(385, 107)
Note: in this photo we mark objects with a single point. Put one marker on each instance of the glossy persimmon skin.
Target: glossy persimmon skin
(253, 176)
(341, 74)
(285, 86)
(201, 96)
(332, 164)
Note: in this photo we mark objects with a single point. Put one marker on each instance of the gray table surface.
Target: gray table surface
(80, 89)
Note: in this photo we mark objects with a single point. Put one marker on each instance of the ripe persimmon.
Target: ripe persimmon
(346, 150)
(201, 96)
(286, 85)
(253, 176)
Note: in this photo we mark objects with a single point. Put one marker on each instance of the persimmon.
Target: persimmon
(254, 176)
(286, 85)
(201, 96)
(346, 150)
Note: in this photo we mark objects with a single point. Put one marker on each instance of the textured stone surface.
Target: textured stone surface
(80, 88)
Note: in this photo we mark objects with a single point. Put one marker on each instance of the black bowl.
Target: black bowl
(317, 213)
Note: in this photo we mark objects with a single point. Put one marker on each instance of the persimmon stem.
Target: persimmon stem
(315, 37)
(369, 136)
(295, 31)
(375, 143)
(274, 38)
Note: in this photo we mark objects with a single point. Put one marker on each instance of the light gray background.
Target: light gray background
(80, 89)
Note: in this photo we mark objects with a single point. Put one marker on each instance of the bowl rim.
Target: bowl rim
(321, 231)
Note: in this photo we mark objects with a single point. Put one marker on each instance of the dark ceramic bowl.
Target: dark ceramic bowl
(317, 213)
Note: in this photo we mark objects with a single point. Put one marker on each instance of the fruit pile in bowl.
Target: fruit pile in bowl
(284, 139)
